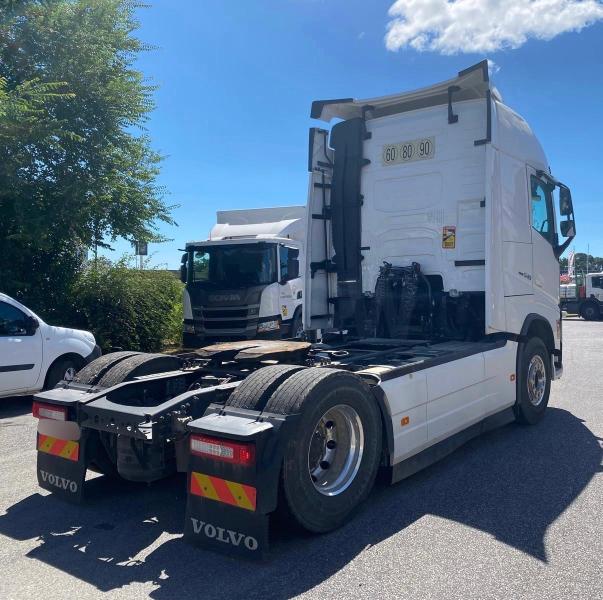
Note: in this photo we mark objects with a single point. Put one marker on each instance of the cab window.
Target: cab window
(13, 322)
(289, 263)
(597, 282)
(284, 260)
(542, 208)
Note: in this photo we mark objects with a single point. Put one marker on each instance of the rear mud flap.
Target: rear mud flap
(62, 477)
(62, 466)
(222, 528)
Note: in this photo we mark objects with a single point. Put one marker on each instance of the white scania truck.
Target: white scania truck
(433, 235)
(244, 281)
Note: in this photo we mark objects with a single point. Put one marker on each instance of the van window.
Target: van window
(13, 322)
(542, 208)
(597, 282)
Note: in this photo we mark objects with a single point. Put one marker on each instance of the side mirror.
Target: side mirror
(565, 202)
(568, 228)
(293, 268)
(183, 268)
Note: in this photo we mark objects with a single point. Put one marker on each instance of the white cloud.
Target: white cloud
(493, 68)
(453, 26)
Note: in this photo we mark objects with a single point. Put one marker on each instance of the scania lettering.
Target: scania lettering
(244, 281)
(435, 284)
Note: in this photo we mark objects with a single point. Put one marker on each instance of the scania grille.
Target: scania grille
(222, 325)
(221, 313)
(228, 318)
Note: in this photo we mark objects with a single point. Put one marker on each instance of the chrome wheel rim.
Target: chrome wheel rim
(536, 380)
(335, 450)
(69, 374)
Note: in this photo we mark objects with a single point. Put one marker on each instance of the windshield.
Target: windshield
(232, 266)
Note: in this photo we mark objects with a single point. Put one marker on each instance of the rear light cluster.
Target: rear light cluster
(48, 411)
(225, 450)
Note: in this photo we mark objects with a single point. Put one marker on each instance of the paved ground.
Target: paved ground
(514, 514)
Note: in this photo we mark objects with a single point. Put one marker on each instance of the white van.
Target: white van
(36, 356)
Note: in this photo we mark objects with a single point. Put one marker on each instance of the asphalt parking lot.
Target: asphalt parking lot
(513, 514)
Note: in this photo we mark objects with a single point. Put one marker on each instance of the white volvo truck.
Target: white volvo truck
(433, 243)
(244, 281)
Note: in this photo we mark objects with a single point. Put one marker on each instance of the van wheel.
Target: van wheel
(63, 369)
(533, 382)
(590, 311)
(332, 460)
(253, 392)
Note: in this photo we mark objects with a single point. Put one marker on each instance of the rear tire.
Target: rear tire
(138, 365)
(93, 371)
(331, 462)
(253, 393)
(533, 382)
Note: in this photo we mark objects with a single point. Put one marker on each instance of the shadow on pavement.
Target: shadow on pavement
(15, 406)
(512, 483)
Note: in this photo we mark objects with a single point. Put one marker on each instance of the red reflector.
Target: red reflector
(225, 450)
(48, 411)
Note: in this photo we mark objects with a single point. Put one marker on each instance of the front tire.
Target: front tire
(533, 382)
(331, 462)
(297, 328)
(590, 311)
(64, 369)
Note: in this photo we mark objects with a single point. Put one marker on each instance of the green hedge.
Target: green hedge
(128, 308)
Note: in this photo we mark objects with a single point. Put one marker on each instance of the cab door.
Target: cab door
(545, 265)
(596, 287)
(290, 288)
(20, 351)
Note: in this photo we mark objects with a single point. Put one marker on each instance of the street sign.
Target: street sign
(141, 248)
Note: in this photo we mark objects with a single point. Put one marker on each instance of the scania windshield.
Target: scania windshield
(233, 266)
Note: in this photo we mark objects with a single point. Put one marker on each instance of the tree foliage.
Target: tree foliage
(595, 263)
(76, 168)
(128, 308)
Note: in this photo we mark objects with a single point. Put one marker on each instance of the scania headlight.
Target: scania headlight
(268, 326)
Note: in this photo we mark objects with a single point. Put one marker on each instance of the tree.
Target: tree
(76, 168)
(595, 263)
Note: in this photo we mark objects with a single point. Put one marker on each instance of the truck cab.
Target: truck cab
(443, 220)
(244, 281)
(584, 298)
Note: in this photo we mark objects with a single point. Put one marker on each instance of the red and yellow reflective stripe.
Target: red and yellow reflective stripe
(222, 490)
(57, 447)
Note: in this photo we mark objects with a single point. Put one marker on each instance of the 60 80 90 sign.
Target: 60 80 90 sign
(421, 149)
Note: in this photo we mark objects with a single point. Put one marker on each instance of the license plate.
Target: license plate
(410, 151)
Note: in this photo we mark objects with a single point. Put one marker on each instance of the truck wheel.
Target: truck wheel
(137, 365)
(253, 392)
(297, 328)
(590, 311)
(93, 371)
(64, 369)
(331, 462)
(533, 382)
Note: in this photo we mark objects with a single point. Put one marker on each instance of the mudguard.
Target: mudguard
(228, 505)
(61, 464)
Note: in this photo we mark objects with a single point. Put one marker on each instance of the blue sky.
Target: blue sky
(237, 79)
